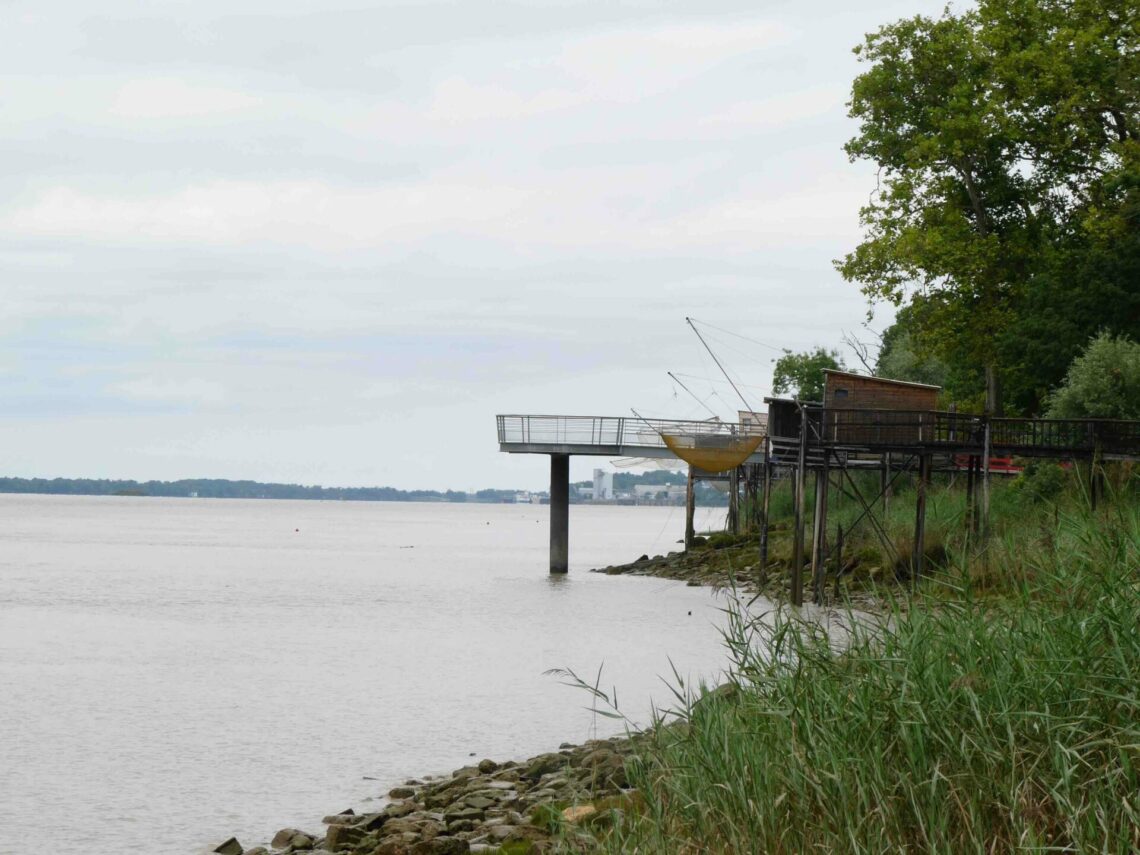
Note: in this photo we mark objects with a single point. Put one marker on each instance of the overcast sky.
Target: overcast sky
(326, 242)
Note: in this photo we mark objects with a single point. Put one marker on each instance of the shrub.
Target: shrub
(1041, 481)
(1103, 382)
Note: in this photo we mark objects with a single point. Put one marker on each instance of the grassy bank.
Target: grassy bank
(998, 711)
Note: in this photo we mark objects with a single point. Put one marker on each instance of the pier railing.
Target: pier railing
(616, 432)
(906, 428)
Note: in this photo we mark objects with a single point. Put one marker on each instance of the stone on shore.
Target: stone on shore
(579, 813)
(342, 837)
(288, 837)
(230, 847)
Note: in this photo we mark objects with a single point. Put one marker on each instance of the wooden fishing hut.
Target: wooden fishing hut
(856, 425)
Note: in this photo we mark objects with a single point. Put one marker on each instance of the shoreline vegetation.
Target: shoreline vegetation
(997, 707)
(223, 488)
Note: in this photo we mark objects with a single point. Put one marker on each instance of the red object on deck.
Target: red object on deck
(998, 465)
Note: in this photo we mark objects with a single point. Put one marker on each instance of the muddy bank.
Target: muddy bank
(731, 562)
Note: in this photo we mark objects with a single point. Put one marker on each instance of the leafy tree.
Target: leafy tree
(1001, 134)
(1103, 382)
(802, 373)
(1087, 284)
(901, 358)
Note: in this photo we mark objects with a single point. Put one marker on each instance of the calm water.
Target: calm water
(176, 670)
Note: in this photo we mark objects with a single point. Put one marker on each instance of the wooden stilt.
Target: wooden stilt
(751, 505)
(765, 503)
(886, 484)
(734, 501)
(797, 570)
(971, 485)
(838, 557)
(690, 509)
(819, 534)
(920, 518)
(985, 522)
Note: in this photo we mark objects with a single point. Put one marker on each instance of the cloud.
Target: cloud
(648, 207)
(823, 212)
(668, 52)
(779, 110)
(297, 212)
(161, 390)
(168, 97)
(457, 100)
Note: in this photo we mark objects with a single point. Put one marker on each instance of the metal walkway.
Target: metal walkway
(608, 436)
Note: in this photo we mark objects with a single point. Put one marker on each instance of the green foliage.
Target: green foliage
(1042, 481)
(1103, 382)
(802, 373)
(723, 539)
(548, 817)
(1085, 286)
(1008, 142)
(981, 725)
(902, 356)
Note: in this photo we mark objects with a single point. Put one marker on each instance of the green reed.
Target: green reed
(955, 722)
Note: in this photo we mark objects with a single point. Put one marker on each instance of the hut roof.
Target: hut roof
(875, 379)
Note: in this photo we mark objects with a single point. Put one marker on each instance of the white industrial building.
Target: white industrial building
(603, 485)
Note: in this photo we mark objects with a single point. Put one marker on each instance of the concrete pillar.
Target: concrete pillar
(559, 513)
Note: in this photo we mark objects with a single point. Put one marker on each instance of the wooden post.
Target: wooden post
(886, 485)
(1093, 491)
(690, 508)
(752, 517)
(920, 518)
(765, 503)
(797, 579)
(559, 513)
(819, 534)
(838, 552)
(971, 484)
(985, 523)
(734, 500)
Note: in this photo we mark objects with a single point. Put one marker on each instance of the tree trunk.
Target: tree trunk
(993, 391)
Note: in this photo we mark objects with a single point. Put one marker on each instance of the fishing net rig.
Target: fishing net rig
(711, 445)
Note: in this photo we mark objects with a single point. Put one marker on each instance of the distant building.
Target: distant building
(603, 486)
(659, 494)
(753, 422)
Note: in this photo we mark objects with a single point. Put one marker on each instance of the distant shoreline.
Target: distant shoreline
(223, 488)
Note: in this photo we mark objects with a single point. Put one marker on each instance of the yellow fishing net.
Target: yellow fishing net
(713, 452)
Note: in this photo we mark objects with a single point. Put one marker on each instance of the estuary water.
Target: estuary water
(174, 671)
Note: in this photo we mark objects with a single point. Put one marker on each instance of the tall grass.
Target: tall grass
(980, 725)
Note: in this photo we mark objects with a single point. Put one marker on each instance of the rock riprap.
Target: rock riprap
(512, 807)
